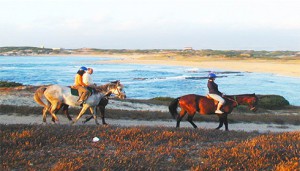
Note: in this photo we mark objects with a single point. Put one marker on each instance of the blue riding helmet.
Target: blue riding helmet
(83, 68)
(212, 75)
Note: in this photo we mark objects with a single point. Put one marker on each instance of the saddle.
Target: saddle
(74, 91)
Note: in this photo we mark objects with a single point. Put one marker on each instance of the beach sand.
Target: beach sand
(289, 67)
(283, 67)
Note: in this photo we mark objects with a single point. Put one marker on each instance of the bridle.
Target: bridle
(115, 89)
(234, 100)
(237, 104)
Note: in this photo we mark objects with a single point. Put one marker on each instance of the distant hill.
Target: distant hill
(28, 51)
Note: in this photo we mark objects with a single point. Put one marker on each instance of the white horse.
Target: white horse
(58, 96)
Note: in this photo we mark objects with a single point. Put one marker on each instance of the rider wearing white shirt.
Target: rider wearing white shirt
(87, 78)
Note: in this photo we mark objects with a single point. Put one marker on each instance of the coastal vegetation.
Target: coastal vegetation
(61, 147)
(190, 53)
(9, 84)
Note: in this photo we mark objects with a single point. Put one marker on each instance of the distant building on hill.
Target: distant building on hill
(57, 49)
(188, 48)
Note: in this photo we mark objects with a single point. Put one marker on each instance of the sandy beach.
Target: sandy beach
(283, 67)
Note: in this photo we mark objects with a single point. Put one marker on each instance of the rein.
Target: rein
(234, 100)
(115, 89)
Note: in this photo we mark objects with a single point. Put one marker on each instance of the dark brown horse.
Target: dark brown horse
(193, 103)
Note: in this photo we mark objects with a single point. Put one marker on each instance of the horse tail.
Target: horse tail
(173, 107)
(38, 96)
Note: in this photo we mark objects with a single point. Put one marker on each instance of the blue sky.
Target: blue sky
(152, 24)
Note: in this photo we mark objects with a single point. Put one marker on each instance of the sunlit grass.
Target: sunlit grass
(61, 147)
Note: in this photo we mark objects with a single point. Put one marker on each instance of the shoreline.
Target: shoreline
(282, 67)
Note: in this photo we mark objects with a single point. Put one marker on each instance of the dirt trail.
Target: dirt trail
(23, 96)
(248, 127)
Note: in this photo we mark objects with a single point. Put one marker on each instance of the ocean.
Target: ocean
(145, 81)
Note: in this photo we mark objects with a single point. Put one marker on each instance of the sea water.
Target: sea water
(145, 81)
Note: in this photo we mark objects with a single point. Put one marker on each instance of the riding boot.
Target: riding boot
(79, 101)
(218, 111)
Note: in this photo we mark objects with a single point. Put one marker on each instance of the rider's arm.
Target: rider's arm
(79, 81)
(213, 88)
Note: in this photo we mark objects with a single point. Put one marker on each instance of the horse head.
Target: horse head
(251, 100)
(116, 88)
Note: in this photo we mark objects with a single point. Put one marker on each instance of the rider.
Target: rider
(81, 86)
(214, 92)
(87, 78)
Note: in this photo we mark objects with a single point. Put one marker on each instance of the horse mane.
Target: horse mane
(242, 95)
(105, 86)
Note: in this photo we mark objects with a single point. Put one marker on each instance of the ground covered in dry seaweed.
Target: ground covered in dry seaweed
(64, 147)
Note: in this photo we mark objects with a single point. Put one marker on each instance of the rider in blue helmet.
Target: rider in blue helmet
(81, 86)
(83, 68)
(214, 92)
(212, 75)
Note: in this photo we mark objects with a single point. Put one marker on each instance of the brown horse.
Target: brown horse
(193, 103)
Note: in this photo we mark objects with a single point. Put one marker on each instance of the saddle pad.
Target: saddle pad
(74, 91)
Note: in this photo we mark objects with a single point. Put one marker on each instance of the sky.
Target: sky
(151, 24)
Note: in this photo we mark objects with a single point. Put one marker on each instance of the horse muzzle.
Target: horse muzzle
(253, 109)
(122, 96)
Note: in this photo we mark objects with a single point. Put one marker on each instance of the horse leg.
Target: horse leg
(102, 114)
(66, 111)
(88, 118)
(221, 120)
(226, 122)
(54, 106)
(45, 110)
(45, 114)
(84, 108)
(59, 106)
(94, 113)
(190, 119)
(179, 117)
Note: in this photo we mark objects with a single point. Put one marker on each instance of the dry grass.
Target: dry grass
(61, 147)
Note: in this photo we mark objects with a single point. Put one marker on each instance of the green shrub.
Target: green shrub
(163, 98)
(272, 102)
(9, 84)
